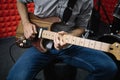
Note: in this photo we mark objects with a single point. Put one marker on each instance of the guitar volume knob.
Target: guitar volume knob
(24, 41)
(21, 44)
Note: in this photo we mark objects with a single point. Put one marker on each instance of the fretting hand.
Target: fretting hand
(59, 43)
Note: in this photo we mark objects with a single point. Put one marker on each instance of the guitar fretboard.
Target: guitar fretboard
(78, 41)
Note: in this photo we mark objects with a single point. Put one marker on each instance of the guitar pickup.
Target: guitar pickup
(40, 32)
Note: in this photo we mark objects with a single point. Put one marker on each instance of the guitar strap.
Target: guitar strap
(68, 10)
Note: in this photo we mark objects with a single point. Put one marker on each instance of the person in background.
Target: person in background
(99, 65)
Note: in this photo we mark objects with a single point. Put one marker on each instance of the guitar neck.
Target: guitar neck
(78, 41)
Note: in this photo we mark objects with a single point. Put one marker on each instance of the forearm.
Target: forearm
(23, 12)
(77, 32)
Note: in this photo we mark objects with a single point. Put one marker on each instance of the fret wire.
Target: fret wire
(77, 41)
(81, 42)
(105, 47)
(70, 39)
(66, 38)
(98, 45)
(102, 47)
(86, 44)
(92, 44)
(74, 40)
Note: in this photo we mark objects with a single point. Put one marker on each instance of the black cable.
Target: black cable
(10, 52)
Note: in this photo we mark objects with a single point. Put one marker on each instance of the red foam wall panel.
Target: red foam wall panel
(109, 6)
(9, 17)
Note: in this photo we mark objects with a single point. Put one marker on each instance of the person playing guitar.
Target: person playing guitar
(68, 17)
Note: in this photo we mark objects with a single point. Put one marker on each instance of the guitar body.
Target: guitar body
(46, 23)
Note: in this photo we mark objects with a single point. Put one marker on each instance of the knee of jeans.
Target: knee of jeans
(114, 69)
(110, 69)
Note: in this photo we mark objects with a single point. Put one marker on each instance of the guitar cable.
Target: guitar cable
(10, 52)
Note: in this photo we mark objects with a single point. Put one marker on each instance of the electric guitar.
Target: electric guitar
(48, 34)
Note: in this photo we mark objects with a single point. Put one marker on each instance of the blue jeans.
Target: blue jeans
(99, 65)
